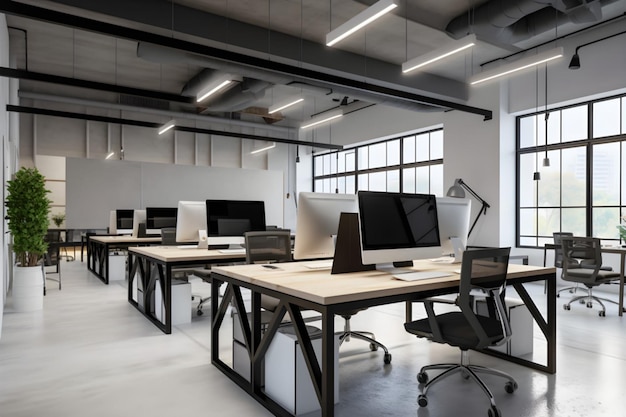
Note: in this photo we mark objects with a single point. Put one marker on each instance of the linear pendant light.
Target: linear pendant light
(439, 53)
(284, 104)
(520, 64)
(362, 19)
(211, 89)
(167, 126)
(265, 148)
(322, 118)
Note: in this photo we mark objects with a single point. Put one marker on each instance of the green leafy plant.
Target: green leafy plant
(58, 219)
(622, 229)
(27, 213)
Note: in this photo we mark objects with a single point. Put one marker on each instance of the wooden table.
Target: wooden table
(298, 288)
(98, 248)
(154, 264)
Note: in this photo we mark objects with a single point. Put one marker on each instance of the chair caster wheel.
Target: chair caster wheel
(422, 377)
(494, 412)
(422, 401)
(510, 387)
(581, 301)
(566, 307)
(602, 314)
(589, 305)
(373, 347)
(200, 312)
(387, 358)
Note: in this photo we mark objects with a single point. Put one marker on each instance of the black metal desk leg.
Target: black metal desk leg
(328, 366)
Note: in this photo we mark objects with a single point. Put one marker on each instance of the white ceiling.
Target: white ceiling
(288, 32)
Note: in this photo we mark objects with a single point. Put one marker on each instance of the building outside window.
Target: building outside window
(583, 190)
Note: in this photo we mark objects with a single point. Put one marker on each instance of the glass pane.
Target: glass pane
(333, 185)
(623, 144)
(528, 221)
(574, 123)
(527, 187)
(436, 144)
(541, 129)
(605, 221)
(436, 180)
(623, 114)
(378, 181)
(574, 220)
(528, 241)
(326, 164)
(318, 161)
(363, 157)
(408, 150)
(333, 162)
(550, 183)
(393, 181)
(554, 127)
(548, 221)
(606, 173)
(363, 182)
(378, 155)
(341, 184)
(422, 180)
(574, 177)
(422, 145)
(341, 164)
(527, 131)
(408, 180)
(393, 152)
(318, 186)
(350, 161)
(350, 184)
(606, 118)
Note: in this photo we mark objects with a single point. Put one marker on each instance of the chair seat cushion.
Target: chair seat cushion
(455, 330)
(580, 274)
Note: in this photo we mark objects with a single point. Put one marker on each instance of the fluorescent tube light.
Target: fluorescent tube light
(265, 148)
(167, 126)
(212, 89)
(439, 53)
(109, 156)
(362, 19)
(322, 118)
(284, 104)
(520, 64)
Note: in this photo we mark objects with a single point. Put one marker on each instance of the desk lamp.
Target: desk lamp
(458, 190)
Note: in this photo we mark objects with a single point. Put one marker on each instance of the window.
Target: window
(583, 191)
(409, 164)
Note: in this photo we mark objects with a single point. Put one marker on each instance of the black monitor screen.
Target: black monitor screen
(160, 217)
(124, 218)
(234, 217)
(396, 220)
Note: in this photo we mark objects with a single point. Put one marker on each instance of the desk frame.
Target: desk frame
(323, 377)
(98, 252)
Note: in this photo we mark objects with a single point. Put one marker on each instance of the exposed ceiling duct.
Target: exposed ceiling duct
(515, 21)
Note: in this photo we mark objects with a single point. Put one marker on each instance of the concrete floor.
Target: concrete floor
(89, 352)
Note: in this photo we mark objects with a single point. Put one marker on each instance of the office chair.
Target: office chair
(558, 260)
(52, 256)
(484, 270)
(586, 251)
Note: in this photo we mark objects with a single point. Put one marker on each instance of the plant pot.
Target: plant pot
(27, 288)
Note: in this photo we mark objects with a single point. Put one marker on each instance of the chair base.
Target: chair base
(468, 371)
(365, 336)
(588, 301)
(572, 290)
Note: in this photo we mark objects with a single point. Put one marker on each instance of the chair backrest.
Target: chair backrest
(268, 246)
(582, 250)
(168, 236)
(485, 269)
(558, 250)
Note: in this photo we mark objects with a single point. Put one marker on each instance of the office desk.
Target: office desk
(152, 264)
(98, 248)
(605, 249)
(298, 288)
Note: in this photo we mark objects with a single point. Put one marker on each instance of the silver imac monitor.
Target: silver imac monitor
(121, 222)
(139, 216)
(318, 221)
(190, 220)
(454, 221)
(397, 227)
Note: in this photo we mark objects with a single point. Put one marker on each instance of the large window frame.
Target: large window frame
(411, 163)
(584, 189)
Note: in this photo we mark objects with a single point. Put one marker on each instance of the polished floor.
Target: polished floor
(89, 352)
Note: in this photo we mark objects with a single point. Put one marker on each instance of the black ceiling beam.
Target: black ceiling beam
(90, 25)
(93, 85)
(152, 125)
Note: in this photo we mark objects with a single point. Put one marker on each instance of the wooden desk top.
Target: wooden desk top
(319, 286)
(125, 239)
(183, 254)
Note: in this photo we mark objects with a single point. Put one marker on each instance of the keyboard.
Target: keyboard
(419, 275)
(318, 265)
(241, 251)
(443, 260)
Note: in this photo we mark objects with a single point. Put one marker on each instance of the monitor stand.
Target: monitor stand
(348, 246)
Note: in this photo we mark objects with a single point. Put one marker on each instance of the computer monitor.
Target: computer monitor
(228, 220)
(159, 217)
(121, 222)
(454, 221)
(139, 216)
(397, 227)
(191, 219)
(317, 223)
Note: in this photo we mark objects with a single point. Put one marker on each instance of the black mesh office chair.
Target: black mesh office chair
(485, 270)
(52, 257)
(558, 259)
(586, 251)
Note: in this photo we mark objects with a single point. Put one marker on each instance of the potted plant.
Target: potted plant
(58, 219)
(27, 213)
